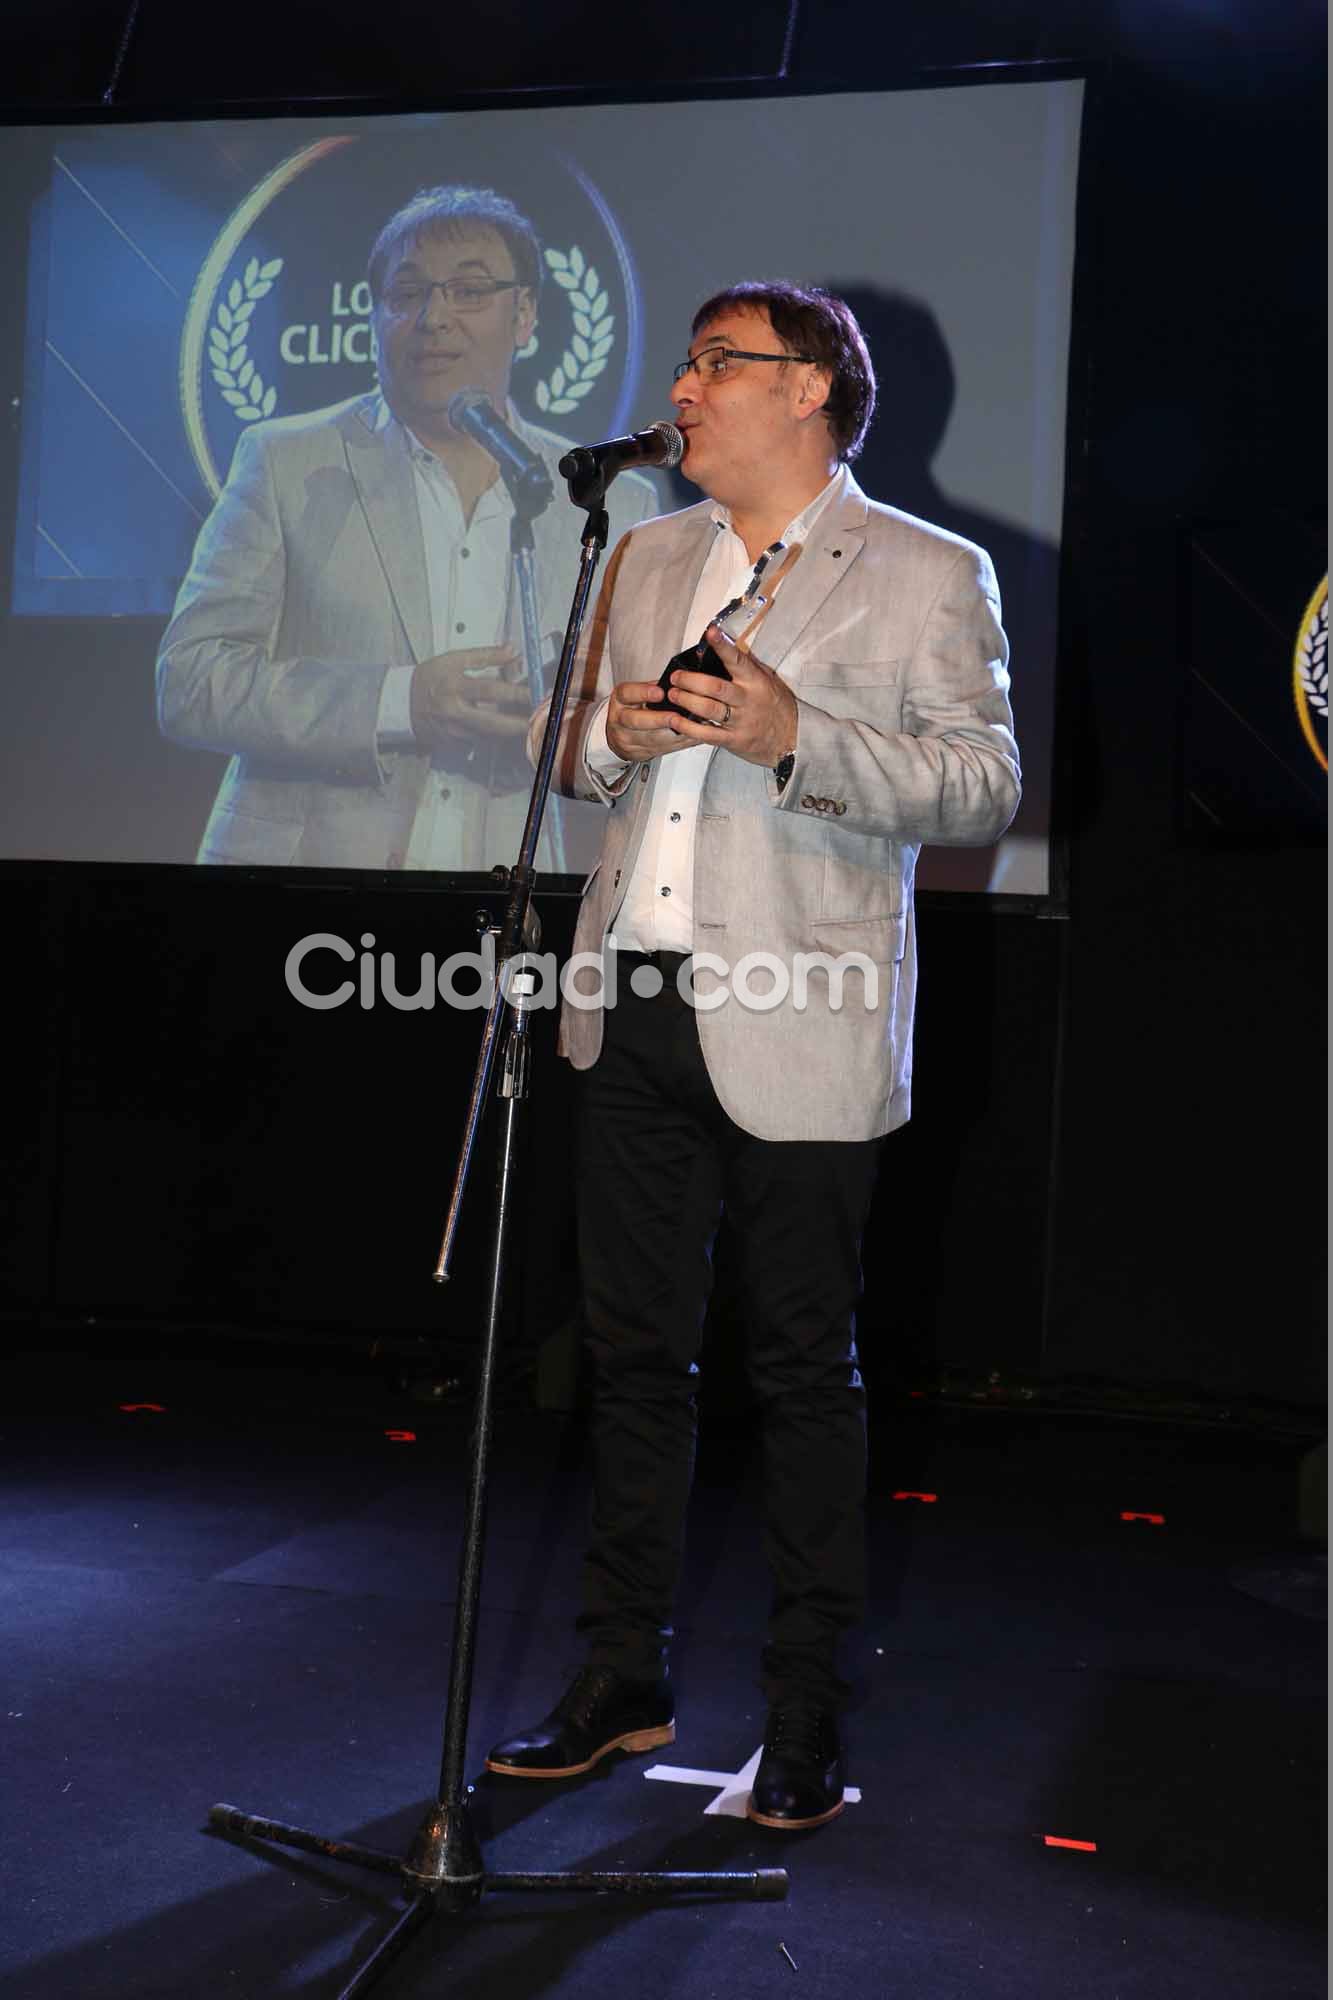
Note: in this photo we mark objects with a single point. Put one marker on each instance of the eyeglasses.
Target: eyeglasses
(715, 363)
(465, 295)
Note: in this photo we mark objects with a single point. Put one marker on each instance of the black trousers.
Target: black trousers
(658, 1160)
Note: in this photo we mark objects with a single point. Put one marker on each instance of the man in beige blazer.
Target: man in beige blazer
(751, 922)
(349, 630)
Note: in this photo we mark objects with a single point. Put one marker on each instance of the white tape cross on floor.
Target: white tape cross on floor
(732, 1787)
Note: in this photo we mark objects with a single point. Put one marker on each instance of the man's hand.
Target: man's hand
(754, 714)
(481, 692)
(638, 728)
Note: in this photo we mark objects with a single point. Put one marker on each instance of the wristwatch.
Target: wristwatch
(784, 767)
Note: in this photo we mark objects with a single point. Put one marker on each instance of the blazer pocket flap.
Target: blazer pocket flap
(850, 673)
(883, 939)
(234, 835)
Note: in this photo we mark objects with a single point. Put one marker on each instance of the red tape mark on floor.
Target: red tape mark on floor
(1056, 1840)
(1157, 1520)
(929, 1498)
(161, 1408)
(401, 1437)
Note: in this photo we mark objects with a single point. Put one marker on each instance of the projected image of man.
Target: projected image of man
(349, 632)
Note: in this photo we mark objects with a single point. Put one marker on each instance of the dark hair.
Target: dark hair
(809, 320)
(448, 211)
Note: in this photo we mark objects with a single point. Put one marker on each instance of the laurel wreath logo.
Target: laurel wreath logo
(1312, 660)
(234, 372)
(593, 337)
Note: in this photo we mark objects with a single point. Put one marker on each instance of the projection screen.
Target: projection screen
(176, 285)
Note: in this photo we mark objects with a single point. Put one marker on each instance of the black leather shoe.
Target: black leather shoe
(600, 1712)
(802, 1772)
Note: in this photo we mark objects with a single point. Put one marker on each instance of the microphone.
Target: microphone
(472, 414)
(660, 444)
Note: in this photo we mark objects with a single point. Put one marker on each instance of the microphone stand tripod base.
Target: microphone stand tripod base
(443, 1874)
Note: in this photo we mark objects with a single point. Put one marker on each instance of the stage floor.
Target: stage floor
(1089, 1749)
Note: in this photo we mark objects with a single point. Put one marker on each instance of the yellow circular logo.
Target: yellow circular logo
(1310, 674)
(227, 332)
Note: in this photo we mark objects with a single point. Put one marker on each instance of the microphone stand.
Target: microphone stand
(443, 1872)
(522, 548)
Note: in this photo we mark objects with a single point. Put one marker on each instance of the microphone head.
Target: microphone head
(674, 442)
(465, 400)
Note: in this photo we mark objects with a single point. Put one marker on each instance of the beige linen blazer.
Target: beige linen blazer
(308, 582)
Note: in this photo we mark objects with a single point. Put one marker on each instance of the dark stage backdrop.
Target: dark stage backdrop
(1124, 1183)
(193, 1147)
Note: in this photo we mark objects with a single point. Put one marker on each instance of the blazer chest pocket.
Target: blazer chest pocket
(851, 673)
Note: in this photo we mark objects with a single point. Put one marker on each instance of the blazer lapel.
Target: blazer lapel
(382, 474)
(673, 591)
(838, 539)
(658, 636)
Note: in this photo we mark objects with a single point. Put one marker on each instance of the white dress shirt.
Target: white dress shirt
(657, 910)
(469, 575)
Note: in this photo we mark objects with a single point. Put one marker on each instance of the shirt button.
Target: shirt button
(465, 552)
(460, 626)
(675, 818)
(664, 892)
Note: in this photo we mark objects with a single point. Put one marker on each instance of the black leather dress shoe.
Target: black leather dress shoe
(600, 1712)
(802, 1772)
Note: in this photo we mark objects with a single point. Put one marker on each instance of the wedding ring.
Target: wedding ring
(726, 715)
